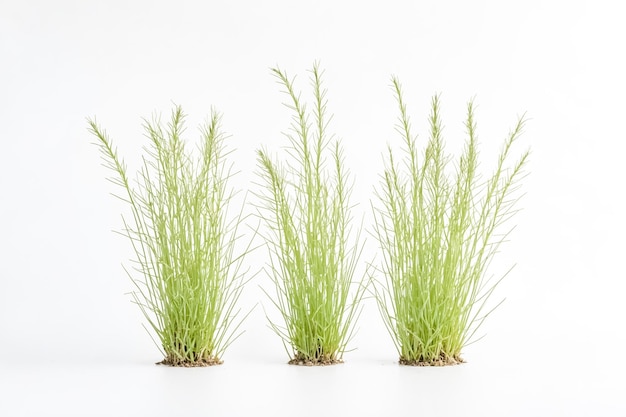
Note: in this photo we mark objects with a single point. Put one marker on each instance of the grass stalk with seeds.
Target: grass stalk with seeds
(438, 232)
(313, 251)
(187, 277)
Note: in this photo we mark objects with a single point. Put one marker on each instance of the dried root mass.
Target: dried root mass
(190, 364)
(303, 360)
(443, 360)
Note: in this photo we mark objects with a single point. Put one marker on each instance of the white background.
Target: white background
(71, 343)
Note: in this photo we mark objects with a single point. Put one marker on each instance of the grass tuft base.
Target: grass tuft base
(190, 364)
(323, 360)
(441, 361)
(309, 362)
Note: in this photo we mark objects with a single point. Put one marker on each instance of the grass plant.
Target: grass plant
(313, 250)
(438, 233)
(187, 278)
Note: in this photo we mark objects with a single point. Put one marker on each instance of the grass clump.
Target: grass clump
(186, 276)
(313, 252)
(438, 233)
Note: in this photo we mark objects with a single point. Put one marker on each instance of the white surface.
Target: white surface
(71, 343)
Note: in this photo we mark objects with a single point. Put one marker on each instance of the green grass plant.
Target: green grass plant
(187, 278)
(439, 229)
(313, 250)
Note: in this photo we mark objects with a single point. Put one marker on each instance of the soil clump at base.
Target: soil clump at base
(441, 361)
(301, 361)
(190, 364)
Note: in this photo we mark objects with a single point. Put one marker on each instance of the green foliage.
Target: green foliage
(438, 234)
(186, 277)
(305, 206)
